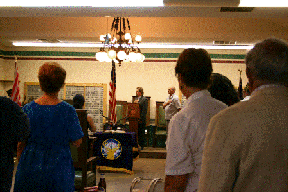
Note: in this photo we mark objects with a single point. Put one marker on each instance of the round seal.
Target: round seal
(111, 149)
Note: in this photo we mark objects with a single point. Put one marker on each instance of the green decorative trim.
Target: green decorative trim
(49, 53)
(161, 55)
(1, 52)
(226, 56)
(92, 54)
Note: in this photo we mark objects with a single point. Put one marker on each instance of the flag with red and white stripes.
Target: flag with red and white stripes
(112, 94)
(15, 90)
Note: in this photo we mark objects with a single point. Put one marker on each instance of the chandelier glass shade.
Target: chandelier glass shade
(119, 45)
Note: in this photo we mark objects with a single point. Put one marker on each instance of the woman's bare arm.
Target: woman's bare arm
(77, 143)
(91, 123)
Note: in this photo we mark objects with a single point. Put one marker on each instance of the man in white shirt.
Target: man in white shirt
(172, 106)
(187, 129)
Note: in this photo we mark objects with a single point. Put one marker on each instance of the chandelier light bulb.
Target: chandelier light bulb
(121, 55)
(102, 38)
(112, 54)
(98, 56)
(105, 57)
(127, 36)
(138, 38)
(138, 57)
(132, 56)
(114, 40)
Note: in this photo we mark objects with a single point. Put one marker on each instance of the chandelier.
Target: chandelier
(119, 45)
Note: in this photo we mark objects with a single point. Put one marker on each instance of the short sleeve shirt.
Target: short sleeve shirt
(172, 108)
(186, 137)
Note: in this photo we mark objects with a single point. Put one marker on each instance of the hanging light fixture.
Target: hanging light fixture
(119, 45)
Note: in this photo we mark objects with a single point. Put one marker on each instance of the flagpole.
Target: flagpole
(240, 90)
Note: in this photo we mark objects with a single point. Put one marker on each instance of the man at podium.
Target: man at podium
(143, 104)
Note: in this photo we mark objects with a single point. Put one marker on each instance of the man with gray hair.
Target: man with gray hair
(246, 145)
(172, 106)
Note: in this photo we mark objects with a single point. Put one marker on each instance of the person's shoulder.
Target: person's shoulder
(219, 103)
(175, 96)
(66, 105)
(4, 99)
(7, 103)
(232, 112)
(185, 113)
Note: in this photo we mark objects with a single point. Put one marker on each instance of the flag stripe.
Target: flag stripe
(112, 94)
(15, 90)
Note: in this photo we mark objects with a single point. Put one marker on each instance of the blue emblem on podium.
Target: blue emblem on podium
(111, 149)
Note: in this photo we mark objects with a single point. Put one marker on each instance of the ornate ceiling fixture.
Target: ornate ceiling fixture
(119, 45)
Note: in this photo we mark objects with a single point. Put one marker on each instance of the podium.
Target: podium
(133, 117)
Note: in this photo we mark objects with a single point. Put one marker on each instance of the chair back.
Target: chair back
(121, 111)
(83, 177)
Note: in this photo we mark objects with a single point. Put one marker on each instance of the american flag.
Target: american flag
(112, 94)
(15, 90)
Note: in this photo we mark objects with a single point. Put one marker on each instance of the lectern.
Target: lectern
(133, 117)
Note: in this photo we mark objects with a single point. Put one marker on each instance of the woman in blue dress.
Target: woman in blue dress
(45, 159)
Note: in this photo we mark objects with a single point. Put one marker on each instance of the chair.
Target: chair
(121, 111)
(81, 160)
(160, 130)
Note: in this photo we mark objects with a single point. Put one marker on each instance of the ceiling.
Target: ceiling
(174, 23)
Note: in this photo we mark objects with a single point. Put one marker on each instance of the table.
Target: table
(115, 150)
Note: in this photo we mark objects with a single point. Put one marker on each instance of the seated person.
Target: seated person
(78, 103)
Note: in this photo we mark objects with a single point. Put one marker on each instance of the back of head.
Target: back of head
(268, 61)
(9, 92)
(78, 101)
(51, 77)
(195, 67)
(222, 89)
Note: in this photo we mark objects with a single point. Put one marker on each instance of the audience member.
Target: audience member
(143, 103)
(222, 89)
(14, 127)
(246, 147)
(9, 92)
(46, 162)
(187, 129)
(78, 103)
(172, 106)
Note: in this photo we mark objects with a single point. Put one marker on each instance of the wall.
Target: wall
(154, 77)
(4, 84)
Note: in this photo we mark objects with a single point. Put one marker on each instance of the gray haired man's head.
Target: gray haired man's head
(268, 61)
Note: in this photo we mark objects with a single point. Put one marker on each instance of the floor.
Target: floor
(147, 168)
